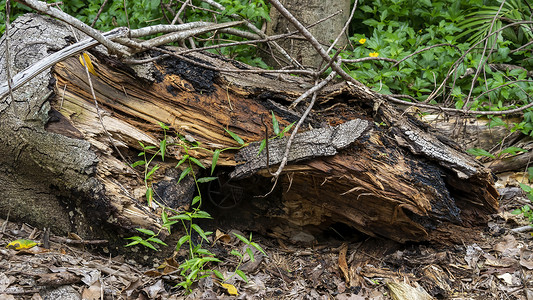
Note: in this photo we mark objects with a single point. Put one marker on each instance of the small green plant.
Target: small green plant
(146, 161)
(481, 152)
(526, 209)
(147, 242)
(241, 256)
(277, 131)
(195, 266)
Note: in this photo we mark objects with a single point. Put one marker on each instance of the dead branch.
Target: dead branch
(43, 7)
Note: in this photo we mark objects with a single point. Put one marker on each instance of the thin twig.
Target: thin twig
(313, 90)
(483, 60)
(180, 11)
(343, 30)
(259, 32)
(358, 60)
(285, 158)
(99, 13)
(22, 77)
(111, 46)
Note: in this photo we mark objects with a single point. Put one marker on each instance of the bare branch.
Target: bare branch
(343, 30)
(283, 162)
(258, 32)
(314, 42)
(313, 90)
(358, 60)
(111, 46)
(26, 75)
(176, 36)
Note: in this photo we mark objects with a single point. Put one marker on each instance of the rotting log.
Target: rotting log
(395, 178)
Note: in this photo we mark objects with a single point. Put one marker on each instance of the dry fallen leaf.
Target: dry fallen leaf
(230, 288)
(85, 58)
(342, 262)
(223, 237)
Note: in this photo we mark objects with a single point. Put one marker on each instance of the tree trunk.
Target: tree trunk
(308, 12)
(380, 172)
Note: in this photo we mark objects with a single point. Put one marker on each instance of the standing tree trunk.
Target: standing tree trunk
(308, 12)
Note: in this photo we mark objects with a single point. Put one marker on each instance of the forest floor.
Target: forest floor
(491, 262)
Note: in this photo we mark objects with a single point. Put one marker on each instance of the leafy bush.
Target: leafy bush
(398, 28)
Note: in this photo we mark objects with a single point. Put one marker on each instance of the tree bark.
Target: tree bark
(308, 12)
(380, 172)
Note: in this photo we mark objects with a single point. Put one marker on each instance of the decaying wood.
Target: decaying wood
(388, 176)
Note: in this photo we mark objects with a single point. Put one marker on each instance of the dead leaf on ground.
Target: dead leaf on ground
(230, 288)
(526, 259)
(223, 237)
(342, 262)
(92, 292)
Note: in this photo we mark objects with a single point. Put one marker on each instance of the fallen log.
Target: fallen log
(359, 161)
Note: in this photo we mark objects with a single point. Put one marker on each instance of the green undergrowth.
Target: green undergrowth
(200, 261)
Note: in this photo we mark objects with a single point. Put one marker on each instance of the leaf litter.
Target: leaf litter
(497, 264)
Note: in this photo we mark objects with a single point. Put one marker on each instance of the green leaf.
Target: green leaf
(206, 179)
(149, 147)
(496, 121)
(513, 150)
(156, 240)
(201, 215)
(151, 172)
(275, 124)
(235, 137)
(242, 275)
(286, 129)
(516, 212)
(250, 253)
(242, 238)
(200, 231)
(184, 173)
(262, 146)
(210, 259)
(526, 188)
(215, 160)
(162, 125)
(236, 253)
(181, 217)
(197, 162)
(196, 200)
(138, 163)
(479, 152)
(182, 160)
(145, 231)
(256, 246)
(182, 241)
(132, 244)
(218, 274)
(163, 148)
(203, 251)
(192, 275)
(147, 244)
(149, 195)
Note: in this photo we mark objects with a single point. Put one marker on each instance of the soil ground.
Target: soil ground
(490, 262)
